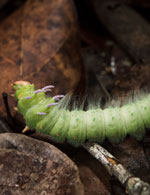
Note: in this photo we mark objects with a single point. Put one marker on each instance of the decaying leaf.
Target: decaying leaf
(39, 43)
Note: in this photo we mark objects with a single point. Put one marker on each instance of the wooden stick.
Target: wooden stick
(133, 185)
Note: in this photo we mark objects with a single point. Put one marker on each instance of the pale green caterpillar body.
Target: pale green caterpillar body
(77, 126)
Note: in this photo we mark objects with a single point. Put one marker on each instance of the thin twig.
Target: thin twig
(133, 185)
(7, 108)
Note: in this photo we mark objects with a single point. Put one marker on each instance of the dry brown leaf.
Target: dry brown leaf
(39, 43)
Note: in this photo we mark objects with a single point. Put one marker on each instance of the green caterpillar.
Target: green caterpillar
(46, 115)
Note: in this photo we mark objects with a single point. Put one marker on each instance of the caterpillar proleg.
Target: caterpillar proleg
(46, 115)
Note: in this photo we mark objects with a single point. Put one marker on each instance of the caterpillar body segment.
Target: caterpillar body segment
(31, 115)
(143, 107)
(46, 124)
(133, 121)
(60, 129)
(114, 123)
(95, 126)
(77, 129)
(115, 129)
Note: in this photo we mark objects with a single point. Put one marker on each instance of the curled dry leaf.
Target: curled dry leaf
(39, 43)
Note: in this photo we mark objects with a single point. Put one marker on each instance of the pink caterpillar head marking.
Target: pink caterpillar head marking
(28, 97)
(38, 91)
(58, 97)
(52, 104)
(42, 90)
(48, 87)
(22, 83)
(41, 113)
(19, 84)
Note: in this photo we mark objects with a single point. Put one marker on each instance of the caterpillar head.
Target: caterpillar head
(27, 96)
(19, 84)
(21, 87)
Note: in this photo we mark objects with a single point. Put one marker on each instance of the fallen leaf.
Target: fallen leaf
(39, 43)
